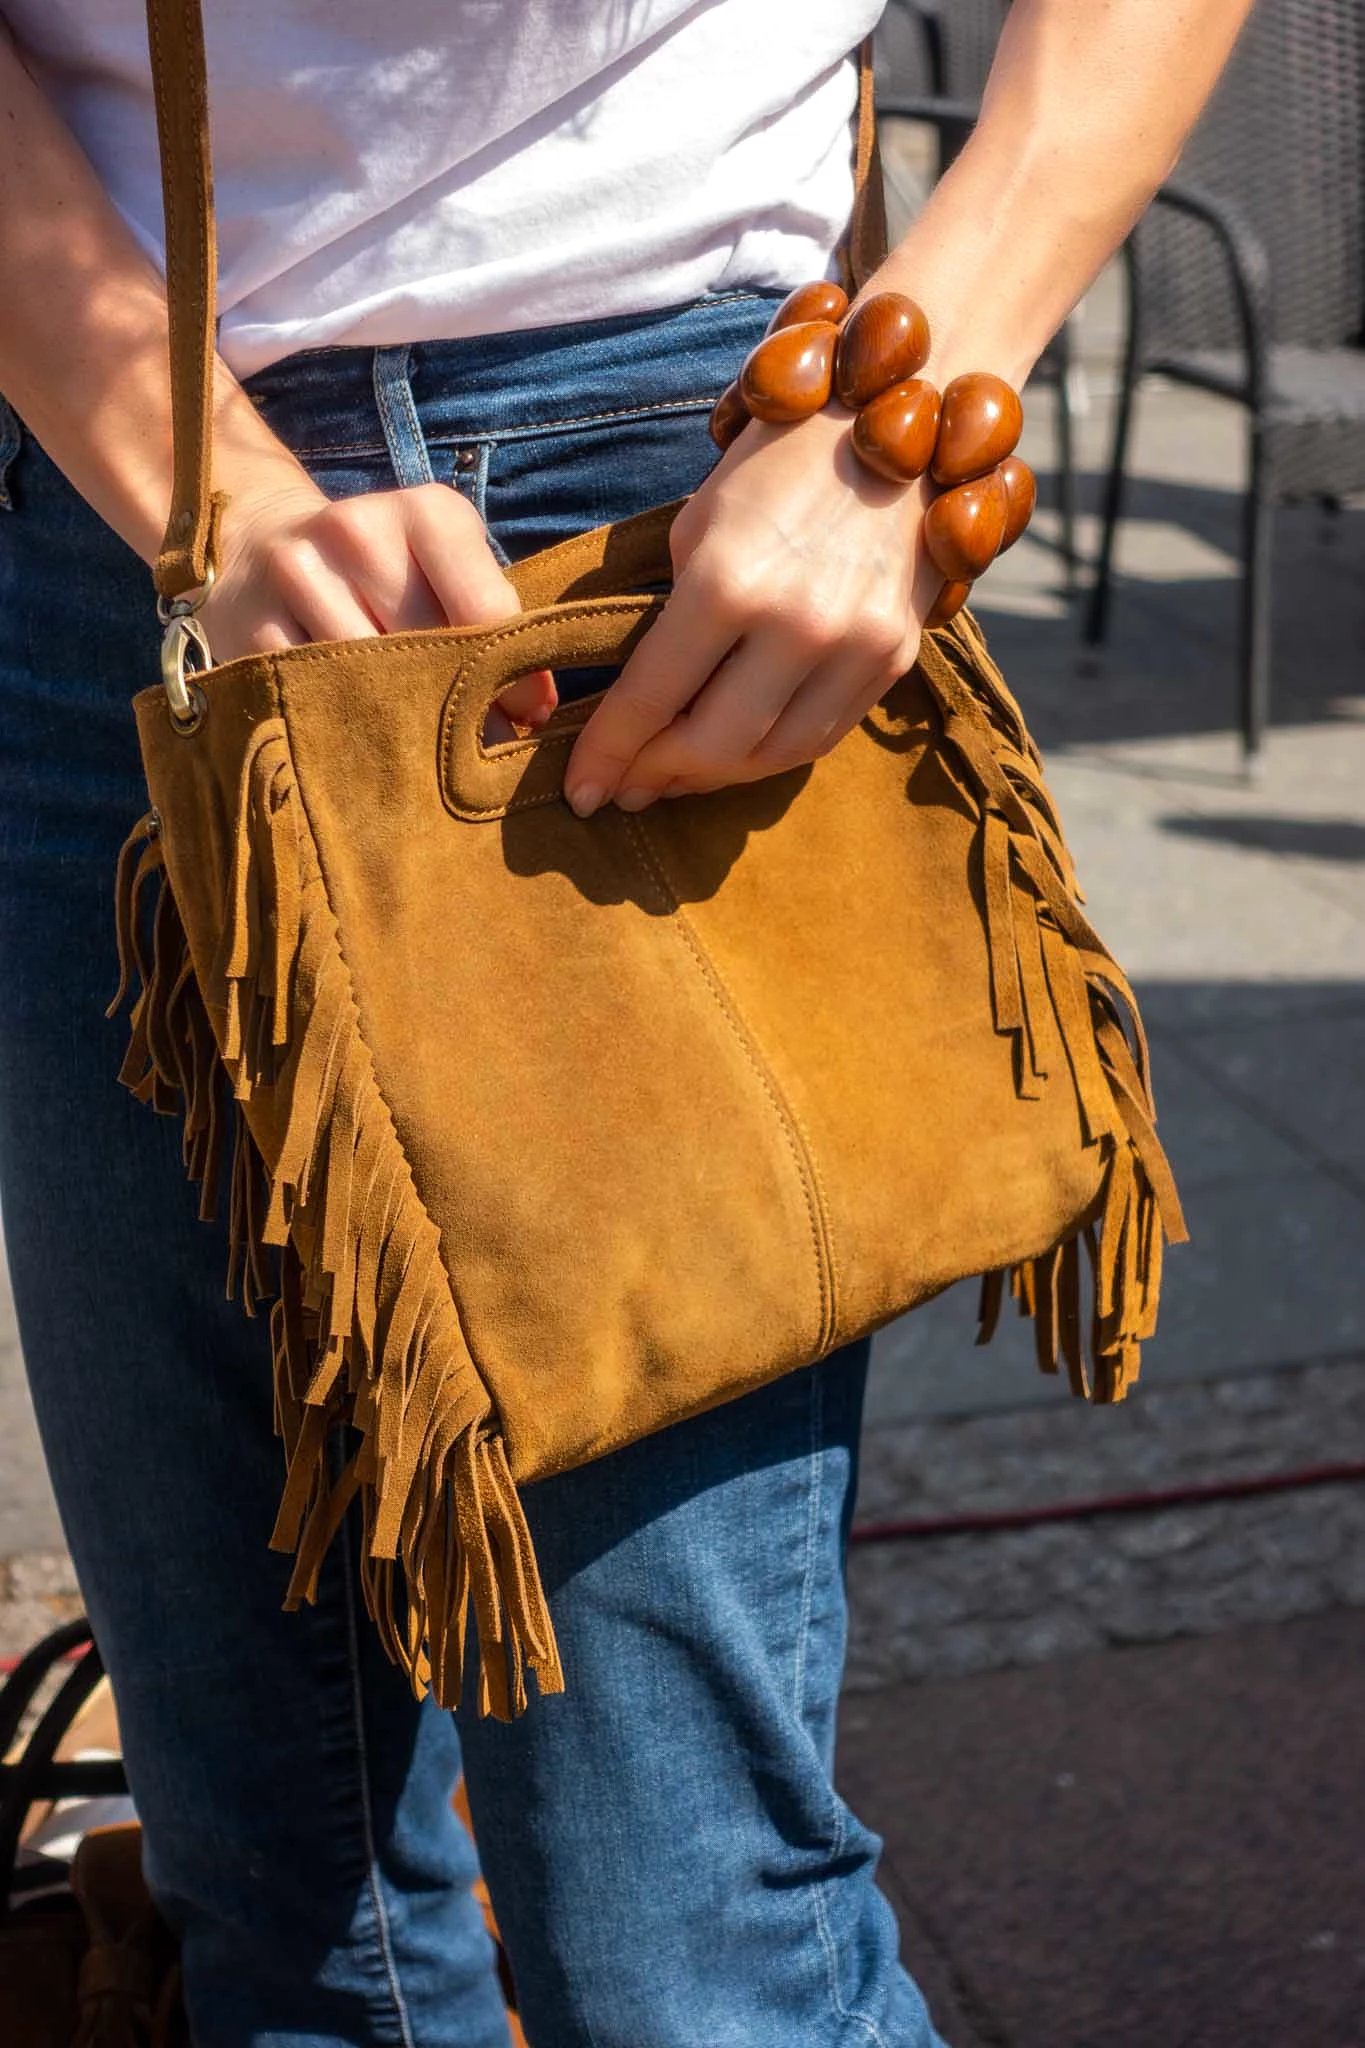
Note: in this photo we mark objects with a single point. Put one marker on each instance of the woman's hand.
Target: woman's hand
(298, 566)
(800, 588)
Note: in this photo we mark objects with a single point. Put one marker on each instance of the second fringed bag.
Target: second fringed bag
(547, 1133)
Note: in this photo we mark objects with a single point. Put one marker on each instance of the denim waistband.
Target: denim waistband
(499, 387)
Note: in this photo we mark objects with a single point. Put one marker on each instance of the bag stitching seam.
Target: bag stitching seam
(793, 1130)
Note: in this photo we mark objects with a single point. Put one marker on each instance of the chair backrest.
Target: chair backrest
(961, 34)
(968, 33)
(1282, 140)
(940, 46)
(907, 49)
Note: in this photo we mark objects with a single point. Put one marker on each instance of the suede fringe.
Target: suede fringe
(1062, 998)
(366, 1336)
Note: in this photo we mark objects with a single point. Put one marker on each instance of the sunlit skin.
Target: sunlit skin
(801, 580)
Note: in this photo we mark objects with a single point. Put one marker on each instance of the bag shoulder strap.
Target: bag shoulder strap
(864, 244)
(175, 34)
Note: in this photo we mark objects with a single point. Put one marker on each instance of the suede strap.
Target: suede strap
(864, 244)
(175, 34)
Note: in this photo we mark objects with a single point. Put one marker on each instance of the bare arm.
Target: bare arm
(83, 359)
(796, 569)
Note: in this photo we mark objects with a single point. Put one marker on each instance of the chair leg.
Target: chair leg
(1097, 611)
(1130, 370)
(1254, 648)
(1066, 463)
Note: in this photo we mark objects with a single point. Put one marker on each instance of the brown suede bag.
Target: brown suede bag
(567, 1130)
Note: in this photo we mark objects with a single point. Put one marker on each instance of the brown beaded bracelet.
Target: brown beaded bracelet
(815, 349)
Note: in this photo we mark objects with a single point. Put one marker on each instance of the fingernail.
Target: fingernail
(634, 799)
(585, 798)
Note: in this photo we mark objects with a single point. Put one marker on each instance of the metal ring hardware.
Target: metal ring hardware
(191, 601)
(185, 700)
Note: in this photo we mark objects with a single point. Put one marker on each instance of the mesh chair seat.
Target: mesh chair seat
(1313, 412)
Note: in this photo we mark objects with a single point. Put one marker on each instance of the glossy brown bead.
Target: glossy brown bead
(787, 377)
(894, 434)
(883, 341)
(729, 417)
(947, 604)
(1021, 495)
(819, 301)
(979, 425)
(963, 527)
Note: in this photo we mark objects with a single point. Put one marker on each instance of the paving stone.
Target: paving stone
(29, 1614)
(1162, 1435)
(28, 1515)
(914, 1602)
(1042, 1637)
(930, 1606)
(1160, 1534)
(41, 1575)
(1345, 1577)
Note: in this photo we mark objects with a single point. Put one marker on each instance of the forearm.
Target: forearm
(1086, 109)
(83, 347)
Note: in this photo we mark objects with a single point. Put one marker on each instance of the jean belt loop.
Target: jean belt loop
(398, 415)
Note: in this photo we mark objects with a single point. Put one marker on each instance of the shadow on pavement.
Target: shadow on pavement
(1168, 666)
(1308, 838)
(1153, 1848)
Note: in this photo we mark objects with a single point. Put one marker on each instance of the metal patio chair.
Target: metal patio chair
(1247, 279)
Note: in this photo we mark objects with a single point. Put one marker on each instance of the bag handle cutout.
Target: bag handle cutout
(480, 783)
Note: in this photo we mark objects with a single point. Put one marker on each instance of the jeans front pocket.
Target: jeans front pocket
(545, 483)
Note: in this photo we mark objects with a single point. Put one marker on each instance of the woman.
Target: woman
(483, 271)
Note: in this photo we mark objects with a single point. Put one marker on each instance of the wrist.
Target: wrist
(252, 467)
(971, 329)
(994, 281)
(859, 369)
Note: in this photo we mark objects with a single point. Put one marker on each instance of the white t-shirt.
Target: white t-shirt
(407, 170)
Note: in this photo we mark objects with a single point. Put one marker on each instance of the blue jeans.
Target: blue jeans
(670, 1863)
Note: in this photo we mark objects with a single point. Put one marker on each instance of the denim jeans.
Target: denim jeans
(669, 1860)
